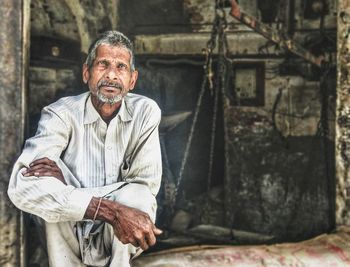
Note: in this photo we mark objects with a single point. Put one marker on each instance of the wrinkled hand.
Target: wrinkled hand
(44, 167)
(134, 226)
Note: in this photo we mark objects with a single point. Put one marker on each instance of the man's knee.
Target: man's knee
(136, 196)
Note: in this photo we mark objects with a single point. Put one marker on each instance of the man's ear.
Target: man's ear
(133, 80)
(86, 73)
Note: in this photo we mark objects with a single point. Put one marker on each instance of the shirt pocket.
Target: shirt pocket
(125, 168)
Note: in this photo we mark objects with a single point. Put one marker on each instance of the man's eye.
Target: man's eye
(122, 66)
(102, 63)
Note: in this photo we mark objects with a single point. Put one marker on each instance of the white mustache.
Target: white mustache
(110, 84)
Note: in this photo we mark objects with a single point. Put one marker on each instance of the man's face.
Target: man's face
(110, 77)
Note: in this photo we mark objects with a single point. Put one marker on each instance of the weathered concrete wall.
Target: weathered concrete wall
(53, 18)
(272, 184)
(14, 39)
(47, 85)
(278, 183)
(73, 19)
(343, 114)
(276, 186)
(173, 16)
(79, 21)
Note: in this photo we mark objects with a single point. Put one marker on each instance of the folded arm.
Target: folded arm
(46, 196)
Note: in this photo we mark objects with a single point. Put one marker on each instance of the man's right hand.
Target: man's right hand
(134, 226)
(130, 225)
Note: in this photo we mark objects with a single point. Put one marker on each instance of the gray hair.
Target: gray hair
(113, 38)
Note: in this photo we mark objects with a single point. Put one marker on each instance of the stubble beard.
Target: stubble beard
(106, 99)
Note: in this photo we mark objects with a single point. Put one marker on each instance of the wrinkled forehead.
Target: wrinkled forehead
(113, 52)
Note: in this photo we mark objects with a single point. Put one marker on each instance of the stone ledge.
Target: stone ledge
(246, 43)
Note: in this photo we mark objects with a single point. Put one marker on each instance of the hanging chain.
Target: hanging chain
(211, 44)
(206, 82)
(220, 82)
(219, 25)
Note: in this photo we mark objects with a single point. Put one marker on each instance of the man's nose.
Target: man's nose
(111, 72)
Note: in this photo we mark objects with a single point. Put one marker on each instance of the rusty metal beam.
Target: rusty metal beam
(14, 39)
(273, 35)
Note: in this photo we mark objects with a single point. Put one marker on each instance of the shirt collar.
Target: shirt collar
(91, 115)
(125, 112)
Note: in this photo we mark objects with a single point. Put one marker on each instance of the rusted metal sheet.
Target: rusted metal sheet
(14, 38)
(343, 115)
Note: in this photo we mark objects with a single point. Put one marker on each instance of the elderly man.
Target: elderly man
(93, 168)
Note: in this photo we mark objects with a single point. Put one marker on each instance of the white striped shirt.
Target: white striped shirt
(93, 157)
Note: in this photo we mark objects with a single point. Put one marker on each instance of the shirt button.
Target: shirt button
(109, 147)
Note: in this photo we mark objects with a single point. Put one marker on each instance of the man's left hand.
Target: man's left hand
(44, 167)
